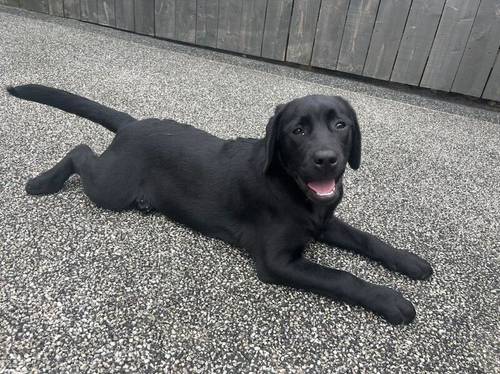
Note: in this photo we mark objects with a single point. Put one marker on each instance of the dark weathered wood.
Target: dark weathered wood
(10, 2)
(329, 32)
(416, 43)
(492, 89)
(88, 10)
(56, 8)
(106, 12)
(165, 19)
(449, 44)
(185, 20)
(207, 13)
(228, 36)
(357, 33)
(124, 14)
(481, 50)
(72, 9)
(302, 31)
(252, 26)
(275, 35)
(145, 17)
(241, 25)
(387, 33)
(35, 5)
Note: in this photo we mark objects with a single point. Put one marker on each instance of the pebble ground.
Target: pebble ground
(87, 290)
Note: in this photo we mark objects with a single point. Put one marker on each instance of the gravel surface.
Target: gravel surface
(84, 289)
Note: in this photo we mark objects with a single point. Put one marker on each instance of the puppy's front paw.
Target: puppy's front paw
(413, 266)
(390, 305)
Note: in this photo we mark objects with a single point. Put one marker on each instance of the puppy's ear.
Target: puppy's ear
(272, 129)
(355, 152)
(355, 155)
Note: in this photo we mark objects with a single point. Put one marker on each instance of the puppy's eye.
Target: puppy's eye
(298, 131)
(340, 125)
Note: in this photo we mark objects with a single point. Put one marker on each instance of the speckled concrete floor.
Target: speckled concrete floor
(84, 289)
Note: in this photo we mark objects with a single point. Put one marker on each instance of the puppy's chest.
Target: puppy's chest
(319, 217)
(311, 220)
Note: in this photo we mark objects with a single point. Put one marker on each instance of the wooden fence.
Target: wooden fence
(446, 45)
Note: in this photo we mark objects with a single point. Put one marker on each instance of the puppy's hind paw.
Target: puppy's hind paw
(42, 185)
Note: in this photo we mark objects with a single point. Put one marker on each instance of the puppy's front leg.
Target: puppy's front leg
(340, 234)
(300, 273)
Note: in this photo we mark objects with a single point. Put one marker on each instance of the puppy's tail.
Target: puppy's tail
(95, 112)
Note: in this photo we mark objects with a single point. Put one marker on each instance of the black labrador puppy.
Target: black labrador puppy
(271, 196)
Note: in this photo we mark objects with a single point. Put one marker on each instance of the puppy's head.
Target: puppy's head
(313, 139)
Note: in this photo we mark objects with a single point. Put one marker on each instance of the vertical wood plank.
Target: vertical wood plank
(106, 12)
(357, 33)
(165, 19)
(481, 50)
(329, 32)
(185, 20)
(302, 31)
(88, 11)
(253, 16)
(56, 8)
(35, 5)
(124, 14)
(207, 14)
(449, 44)
(228, 36)
(416, 43)
(279, 13)
(387, 33)
(72, 9)
(492, 89)
(145, 17)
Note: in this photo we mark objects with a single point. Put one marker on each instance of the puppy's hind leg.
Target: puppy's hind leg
(111, 181)
(52, 180)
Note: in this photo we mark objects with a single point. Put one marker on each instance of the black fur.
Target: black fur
(109, 118)
(271, 196)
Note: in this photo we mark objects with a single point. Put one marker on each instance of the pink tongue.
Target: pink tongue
(322, 188)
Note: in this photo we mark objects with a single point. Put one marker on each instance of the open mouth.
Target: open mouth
(322, 189)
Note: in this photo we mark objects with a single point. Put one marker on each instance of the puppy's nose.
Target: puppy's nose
(324, 159)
